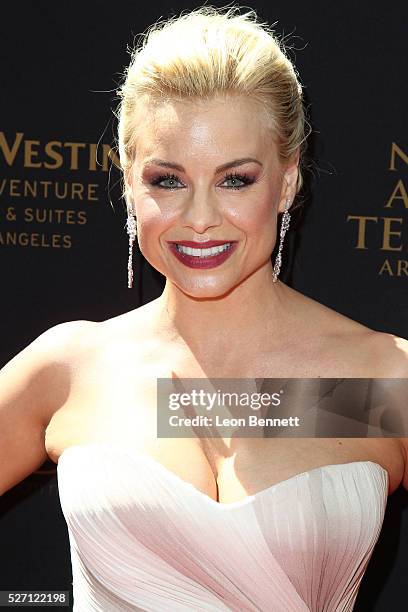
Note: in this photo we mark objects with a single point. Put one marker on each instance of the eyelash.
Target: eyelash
(247, 180)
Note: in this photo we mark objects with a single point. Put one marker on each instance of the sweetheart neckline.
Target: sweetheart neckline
(242, 502)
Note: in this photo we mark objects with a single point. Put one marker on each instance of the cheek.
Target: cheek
(151, 223)
(253, 215)
(151, 213)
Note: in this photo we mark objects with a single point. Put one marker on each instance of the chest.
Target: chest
(113, 398)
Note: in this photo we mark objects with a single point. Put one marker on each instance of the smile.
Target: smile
(211, 257)
(203, 252)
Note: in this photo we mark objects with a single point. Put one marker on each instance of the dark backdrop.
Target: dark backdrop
(63, 254)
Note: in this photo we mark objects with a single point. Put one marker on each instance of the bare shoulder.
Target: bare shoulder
(80, 343)
(391, 353)
(74, 342)
(393, 350)
(386, 354)
(39, 373)
(54, 345)
(356, 350)
(371, 353)
(65, 335)
(33, 384)
(61, 344)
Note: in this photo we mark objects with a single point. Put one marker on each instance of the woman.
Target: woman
(211, 141)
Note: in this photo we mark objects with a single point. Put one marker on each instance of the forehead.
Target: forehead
(222, 127)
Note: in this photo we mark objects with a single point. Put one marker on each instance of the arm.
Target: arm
(405, 452)
(33, 385)
(389, 359)
(401, 365)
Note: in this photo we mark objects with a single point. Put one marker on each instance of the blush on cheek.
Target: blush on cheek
(254, 217)
(151, 227)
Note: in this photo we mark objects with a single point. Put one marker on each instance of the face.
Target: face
(228, 186)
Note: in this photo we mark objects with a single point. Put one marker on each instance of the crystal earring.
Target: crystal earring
(283, 229)
(131, 230)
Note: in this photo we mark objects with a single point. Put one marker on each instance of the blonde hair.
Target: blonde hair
(207, 52)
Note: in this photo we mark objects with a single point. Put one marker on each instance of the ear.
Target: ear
(289, 182)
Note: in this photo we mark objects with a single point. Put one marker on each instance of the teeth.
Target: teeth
(203, 252)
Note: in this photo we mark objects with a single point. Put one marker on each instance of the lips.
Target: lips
(200, 245)
(199, 261)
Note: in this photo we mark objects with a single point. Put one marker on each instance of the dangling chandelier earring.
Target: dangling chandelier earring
(131, 230)
(283, 229)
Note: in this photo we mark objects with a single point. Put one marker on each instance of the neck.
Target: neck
(253, 316)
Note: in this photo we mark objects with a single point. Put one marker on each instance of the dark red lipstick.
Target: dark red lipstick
(197, 260)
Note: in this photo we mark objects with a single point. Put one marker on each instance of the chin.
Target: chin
(204, 291)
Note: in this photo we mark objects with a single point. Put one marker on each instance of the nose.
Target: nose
(201, 212)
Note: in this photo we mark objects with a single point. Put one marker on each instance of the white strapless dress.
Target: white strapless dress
(142, 538)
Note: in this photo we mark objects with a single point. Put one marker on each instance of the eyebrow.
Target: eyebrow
(232, 164)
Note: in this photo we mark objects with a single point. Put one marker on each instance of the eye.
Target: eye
(243, 178)
(164, 177)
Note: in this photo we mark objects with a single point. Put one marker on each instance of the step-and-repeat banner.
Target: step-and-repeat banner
(63, 243)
